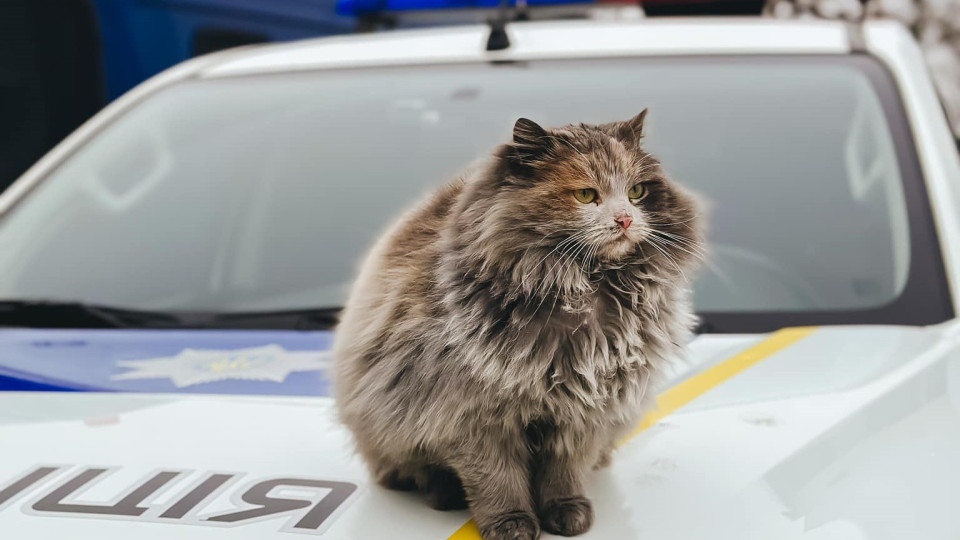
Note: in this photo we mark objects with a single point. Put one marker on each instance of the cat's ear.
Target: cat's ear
(631, 131)
(530, 141)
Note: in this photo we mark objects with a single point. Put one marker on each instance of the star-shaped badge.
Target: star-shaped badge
(199, 366)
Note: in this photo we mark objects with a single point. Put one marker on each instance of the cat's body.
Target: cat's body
(490, 340)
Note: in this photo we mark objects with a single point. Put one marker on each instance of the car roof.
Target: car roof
(541, 40)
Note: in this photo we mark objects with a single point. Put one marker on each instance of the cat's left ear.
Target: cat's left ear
(631, 131)
(530, 140)
(531, 145)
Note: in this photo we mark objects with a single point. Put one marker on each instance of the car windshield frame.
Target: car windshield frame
(924, 298)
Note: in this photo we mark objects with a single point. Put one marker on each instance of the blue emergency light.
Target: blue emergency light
(365, 7)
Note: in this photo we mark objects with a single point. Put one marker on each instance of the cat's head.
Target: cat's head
(595, 195)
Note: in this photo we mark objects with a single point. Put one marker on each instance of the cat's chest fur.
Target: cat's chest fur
(594, 354)
(589, 357)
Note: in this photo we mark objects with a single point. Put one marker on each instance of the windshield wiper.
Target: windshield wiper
(298, 319)
(704, 327)
(69, 314)
(54, 314)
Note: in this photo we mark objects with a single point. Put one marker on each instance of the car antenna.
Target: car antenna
(498, 39)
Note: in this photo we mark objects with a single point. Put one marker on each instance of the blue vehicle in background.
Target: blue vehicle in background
(62, 60)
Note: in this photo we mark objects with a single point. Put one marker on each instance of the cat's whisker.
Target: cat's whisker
(570, 239)
(655, 245)
(536, 266)
(689, 242)
(587, 261)
(572, 243)
(672, 223)
(711, 266)
(556, 279)
(692, 250)
(676, 245)
(586, 241)
(544, 239)
(581, 243)
(568, 243)
(670, 233)
(668, 245)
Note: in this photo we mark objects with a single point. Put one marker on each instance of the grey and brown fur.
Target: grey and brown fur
(503, 335)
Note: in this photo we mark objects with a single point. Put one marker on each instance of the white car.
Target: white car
(171, 273)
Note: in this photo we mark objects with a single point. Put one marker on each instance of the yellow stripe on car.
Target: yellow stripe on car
(469, 531)
(679, 395)
(686, 391)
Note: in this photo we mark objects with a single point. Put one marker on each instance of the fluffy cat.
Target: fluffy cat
(504, 334)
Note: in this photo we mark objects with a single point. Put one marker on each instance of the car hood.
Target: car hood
(835, 433)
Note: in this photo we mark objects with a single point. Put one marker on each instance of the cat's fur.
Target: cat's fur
(503, 335)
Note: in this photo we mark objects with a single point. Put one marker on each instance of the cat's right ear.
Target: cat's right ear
(531, 142)
(631, 131)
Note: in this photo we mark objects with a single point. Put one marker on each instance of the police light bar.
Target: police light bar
(366, 7)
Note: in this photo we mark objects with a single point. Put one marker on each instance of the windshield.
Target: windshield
(262, 193)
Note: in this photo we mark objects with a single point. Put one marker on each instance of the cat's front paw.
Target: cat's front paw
(511, 526)
(567, 517)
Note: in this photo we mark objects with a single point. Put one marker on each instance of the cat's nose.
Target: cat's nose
(624, 221)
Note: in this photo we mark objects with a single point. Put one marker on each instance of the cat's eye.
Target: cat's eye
(586, 195)
(637, 192)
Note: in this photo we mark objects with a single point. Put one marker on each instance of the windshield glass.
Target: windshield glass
(262, 193)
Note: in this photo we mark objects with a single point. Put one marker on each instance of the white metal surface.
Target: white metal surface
(851, 433)
(554, 39)
(936, 147)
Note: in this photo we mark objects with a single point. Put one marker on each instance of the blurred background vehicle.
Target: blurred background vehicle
(62, 60)
(229, 192)
(934, 23)
(198, 234)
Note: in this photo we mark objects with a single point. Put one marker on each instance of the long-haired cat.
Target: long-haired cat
(505, 333)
